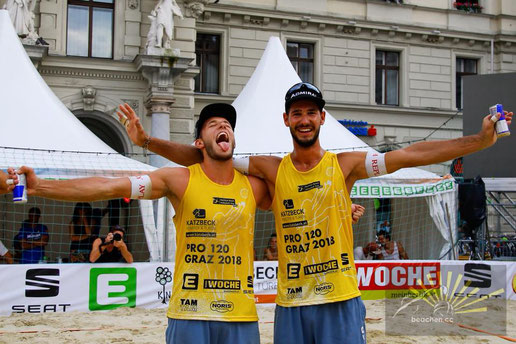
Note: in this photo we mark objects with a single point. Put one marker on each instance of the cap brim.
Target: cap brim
(319, 101)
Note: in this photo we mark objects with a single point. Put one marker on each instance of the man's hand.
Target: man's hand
(6, 183)
(122, 247)
(132, 124)
(357, 211)
(488, 132)
(120, 244)
(31, 179)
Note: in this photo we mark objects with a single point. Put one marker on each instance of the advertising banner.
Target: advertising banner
(44, 288)
(398, 279)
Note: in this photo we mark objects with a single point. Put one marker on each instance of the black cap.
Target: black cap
(223, 110)
(303, 90)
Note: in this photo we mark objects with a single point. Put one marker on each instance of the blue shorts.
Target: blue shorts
(211, 332)
(337, 322)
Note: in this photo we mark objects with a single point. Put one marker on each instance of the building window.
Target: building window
(387, 77)
(90, 28)
(302, 57)
(207, 52)
(463, 67)
(468, 6)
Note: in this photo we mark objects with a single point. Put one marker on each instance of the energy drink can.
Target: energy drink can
(502, 129)
(20, 190)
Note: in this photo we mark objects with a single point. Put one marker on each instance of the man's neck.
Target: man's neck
(306, 158)
(220, 172)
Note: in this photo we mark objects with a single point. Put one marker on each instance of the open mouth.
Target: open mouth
(304, 130)
(223, 141)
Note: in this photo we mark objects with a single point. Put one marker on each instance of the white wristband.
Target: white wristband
(241, 165)
(141, 187)
(375, 164)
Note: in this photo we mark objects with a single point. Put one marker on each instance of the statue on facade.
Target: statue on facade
(162, 23)
(22, 17)
(194, 8)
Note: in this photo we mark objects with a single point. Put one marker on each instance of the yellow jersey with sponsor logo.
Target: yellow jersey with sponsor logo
(213, 276)
(312, 210)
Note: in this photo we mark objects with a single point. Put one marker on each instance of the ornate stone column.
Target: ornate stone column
(161, 72)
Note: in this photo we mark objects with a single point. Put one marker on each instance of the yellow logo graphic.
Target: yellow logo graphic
(449, 300)
(324, 288)
(222, 306)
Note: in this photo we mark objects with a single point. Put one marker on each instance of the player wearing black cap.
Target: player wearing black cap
(318, 298)
(211, 301)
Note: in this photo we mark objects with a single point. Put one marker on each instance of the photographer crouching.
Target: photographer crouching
(112, 248)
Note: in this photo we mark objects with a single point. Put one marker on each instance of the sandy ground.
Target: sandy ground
(135, 325)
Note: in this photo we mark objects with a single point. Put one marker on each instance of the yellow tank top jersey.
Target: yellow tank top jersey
(315, 239)
(213, 276)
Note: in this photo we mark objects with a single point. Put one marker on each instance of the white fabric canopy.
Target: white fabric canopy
(260, 130)
(39, 131)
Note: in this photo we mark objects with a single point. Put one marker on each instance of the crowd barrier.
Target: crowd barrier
(43, 288)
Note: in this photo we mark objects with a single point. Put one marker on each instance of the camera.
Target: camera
(117, 237)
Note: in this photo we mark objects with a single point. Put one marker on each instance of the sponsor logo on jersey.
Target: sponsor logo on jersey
(295, 224)
(295, 293)
(308, 187)
(210, 223)
(188, 305)
(293, 270)
(293, 212)
(250, 283)
(221, 284)
(344, 258)
(199, 213)
(321, 267)
(201, 235)
(190, 281)
(324, 288)
(222, 306)
(288, 204)
(224, 201)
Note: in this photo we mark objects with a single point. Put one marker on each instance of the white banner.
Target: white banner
(42, 288)
(47, 288)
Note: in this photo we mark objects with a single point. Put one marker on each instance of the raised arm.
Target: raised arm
(354, 164)
(179, 153)
(426, 153)
(158, 184)
(95, 250)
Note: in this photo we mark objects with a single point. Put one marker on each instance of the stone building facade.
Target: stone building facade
(432, 43)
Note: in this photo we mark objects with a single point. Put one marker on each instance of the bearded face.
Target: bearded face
(218, 139)
(221, 148)
(304, 121)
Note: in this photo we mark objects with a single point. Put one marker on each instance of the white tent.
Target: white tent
(39, 131)
(260, 130)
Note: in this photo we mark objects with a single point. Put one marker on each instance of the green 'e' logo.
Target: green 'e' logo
(111, 288)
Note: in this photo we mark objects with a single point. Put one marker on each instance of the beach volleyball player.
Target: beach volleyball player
(318, 298)
(212, 299)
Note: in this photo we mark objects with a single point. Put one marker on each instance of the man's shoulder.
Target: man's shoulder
(173, 172)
